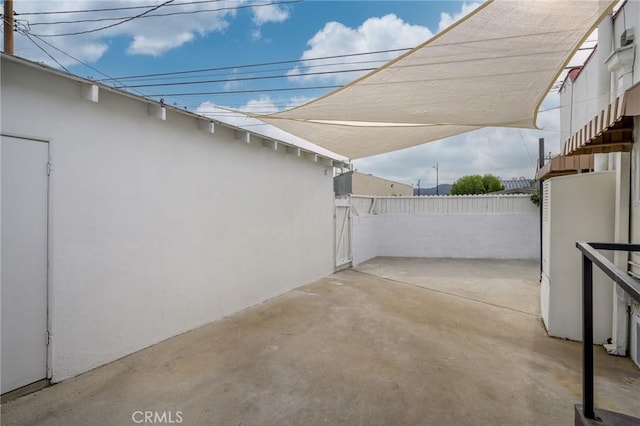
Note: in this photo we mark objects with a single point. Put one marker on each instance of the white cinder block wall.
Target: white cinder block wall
(157, 227)
(500, 227)
(493, 236)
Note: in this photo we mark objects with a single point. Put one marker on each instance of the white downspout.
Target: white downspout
(609, 88)
(603, 51)
(604, 48)
(620, 320)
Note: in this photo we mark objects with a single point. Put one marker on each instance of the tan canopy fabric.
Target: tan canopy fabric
(358, 142)
(492, 68)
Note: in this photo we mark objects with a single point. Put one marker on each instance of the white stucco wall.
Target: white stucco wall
(469, 234)
(578, 103)
(364, 238)
(157, 227)
(580, 208)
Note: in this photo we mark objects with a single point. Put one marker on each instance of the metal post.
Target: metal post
(587, 338)
(540, 194)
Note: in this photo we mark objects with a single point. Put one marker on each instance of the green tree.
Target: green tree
(476, 184)
(491, 184)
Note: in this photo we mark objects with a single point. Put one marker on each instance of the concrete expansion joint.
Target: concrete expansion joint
(447, 293)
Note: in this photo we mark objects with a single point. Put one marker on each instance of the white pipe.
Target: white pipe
(603, 50)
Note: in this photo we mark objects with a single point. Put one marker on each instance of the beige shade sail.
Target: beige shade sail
(358, 142)
(492, 68)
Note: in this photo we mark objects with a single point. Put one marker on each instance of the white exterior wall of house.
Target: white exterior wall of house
(627, 18)
(601, 81)
(484, 226)
(577, 101)
(157, 227)
(622, 79)
(634, 225)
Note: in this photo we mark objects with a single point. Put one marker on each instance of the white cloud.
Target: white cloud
(232, 84)
(156, 46)
(375, 34)
(447, 19)
(151, 36)
(255, 35)
(211, 110)
(296, 101)
(93, 51)
(499, 151)
(270, 13)
(265, 104)
(504, 152)
(262, 105)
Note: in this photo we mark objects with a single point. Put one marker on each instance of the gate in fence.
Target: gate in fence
(342, 220)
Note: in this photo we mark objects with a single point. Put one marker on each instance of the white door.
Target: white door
(343, 233)
(24, 262)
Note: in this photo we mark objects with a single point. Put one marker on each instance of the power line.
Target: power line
(524, 144)
(143, 78)
(260, 64)
(75, 59)
(131, 18)
(238, 92)
(213, 92)
(217, 113)
(110, 9)
(256, 91)
(228, 80)
(47, 53)
(157, 15)
(255, 104)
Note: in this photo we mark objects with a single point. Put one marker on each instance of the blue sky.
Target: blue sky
(250, 32)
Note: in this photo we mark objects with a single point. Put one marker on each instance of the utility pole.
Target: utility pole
(418, 187)
(8, 26)
(437, 183)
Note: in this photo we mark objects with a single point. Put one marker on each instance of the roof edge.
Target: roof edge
(337, 160)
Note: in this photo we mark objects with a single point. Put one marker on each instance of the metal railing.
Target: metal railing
(591, 256)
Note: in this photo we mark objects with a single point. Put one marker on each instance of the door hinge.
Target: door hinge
(49, 168)
(48, 337)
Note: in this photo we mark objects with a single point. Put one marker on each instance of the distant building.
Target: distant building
(517, 186)
(514, 183)
(363, 184)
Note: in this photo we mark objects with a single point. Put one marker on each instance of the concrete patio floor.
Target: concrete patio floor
(394, 342)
